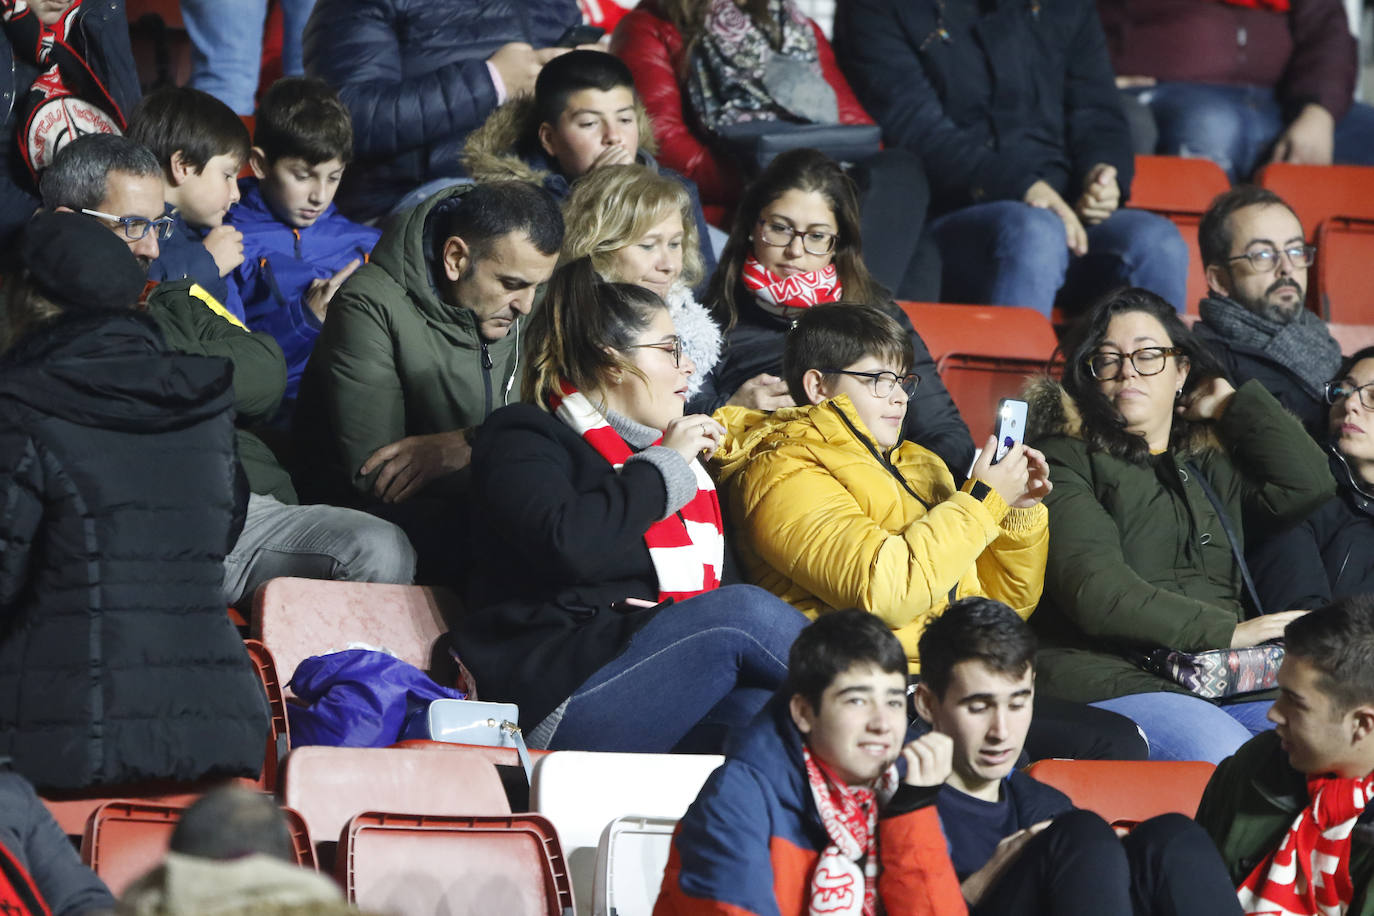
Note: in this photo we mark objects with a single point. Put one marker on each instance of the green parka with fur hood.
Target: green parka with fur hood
(1138, 558)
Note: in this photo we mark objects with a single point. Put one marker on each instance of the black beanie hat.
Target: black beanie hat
(80, 264)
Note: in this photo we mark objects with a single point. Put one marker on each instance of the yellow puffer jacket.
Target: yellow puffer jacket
(822, 520)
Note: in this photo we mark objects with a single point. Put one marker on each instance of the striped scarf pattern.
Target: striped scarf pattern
(780, 295)
(850, 862)
(688, 547)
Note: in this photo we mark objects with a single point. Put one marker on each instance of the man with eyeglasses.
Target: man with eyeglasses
(117, 182)
(1253, 319)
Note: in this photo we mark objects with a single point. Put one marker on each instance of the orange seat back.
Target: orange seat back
(1318, 192)
(1182, 190)
(1127, 790)
(1345, 249)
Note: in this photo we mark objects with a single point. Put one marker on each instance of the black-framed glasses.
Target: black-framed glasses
(1146, 360)
(780, 235)
(1266, 260)
(136, 228)
(672, 346)
(1339, 391)
(882, 383)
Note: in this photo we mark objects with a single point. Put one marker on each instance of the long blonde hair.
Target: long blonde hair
(615, 206)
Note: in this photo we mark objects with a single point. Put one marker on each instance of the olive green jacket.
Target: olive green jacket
(1138, 558)
(1252, 800)
(394, 360)
(191, 326)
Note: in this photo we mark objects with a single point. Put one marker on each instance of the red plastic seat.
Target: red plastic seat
(983, 353)
(1319, 192)
(1340, 279)
(1127, 790)
(505, 759)
(430, 864)
(279, 739)
(1182, 190)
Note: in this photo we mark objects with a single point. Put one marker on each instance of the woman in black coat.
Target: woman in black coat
(119, 496)
(595, 598)
(796, 243)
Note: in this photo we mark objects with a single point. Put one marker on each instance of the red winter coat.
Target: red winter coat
(651, 47)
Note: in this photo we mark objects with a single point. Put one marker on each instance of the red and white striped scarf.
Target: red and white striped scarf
(779, 295)
(850, 816)
(688, 547)
(1309, 874)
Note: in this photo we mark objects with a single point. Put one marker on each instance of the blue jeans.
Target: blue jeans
(226, 41)
(698, 669)
(1182, 727)
(1010, 253)
(1235, 126)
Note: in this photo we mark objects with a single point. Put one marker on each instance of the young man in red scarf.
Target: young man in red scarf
(810, 814)
(1290, 810)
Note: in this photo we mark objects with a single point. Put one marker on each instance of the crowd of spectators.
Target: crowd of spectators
(605, 336)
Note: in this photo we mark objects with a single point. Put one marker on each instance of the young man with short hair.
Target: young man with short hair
(1019, 846)
(1290, 810)
(809, 814)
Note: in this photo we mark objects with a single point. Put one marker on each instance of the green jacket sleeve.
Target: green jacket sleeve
(1090, 582)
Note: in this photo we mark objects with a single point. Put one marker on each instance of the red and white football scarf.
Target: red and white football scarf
(850, 816)
(688, 547)
(778, 295)
(602, 13)
(1309, 874)
(67, 100)
(18, 894)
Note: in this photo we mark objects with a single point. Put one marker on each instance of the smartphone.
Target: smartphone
(1011, 426)
(580, 35)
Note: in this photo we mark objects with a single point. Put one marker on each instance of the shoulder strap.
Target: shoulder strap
(1225, 520)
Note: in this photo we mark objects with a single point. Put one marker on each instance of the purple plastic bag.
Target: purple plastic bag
(358, 698)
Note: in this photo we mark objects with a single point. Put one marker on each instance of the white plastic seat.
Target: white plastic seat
(630, 860)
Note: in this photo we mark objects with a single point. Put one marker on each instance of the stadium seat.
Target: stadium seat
(506, 760)
(1352, 337)
(414, 864)
(1319, 192)
(298, 618)
(329, 785)
(1127, 790)
(1345, 249)
(1180, 189)
(279, 740)
(582, 792)
(630, 860)
(983, 354)
(124, 839)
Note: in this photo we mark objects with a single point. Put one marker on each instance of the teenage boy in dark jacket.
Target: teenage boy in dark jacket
(1013, 109)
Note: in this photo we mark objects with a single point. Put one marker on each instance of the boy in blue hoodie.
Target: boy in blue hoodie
(297, 248)
(201, 145)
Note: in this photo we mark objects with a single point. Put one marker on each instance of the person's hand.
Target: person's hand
(1038, 484)
(1135, 82)
(1009, 477)
(928, 759)
(1309, 140)
(693, 435)
(977, 884)
(762, 392)
(409, 464)
(519, 65)
(1207, 401)
(225, 244)
(613, 155)
(1263, 628)
(320, 291)
(1101, 194)
(1042, 195)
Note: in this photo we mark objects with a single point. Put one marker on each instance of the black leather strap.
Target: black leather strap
(1230, 536)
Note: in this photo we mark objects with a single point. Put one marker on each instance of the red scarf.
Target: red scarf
(687, 547)
(1309, 874)
(1273, 6)
(777, 295)
(850, 816)
(68, 100)
(18, 894)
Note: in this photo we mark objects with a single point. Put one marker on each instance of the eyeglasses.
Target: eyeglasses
(1339, 391)
(780, 235)
(137, 227)
(882, 383)
(1146, 360)
(1266, 260)
(671, 346)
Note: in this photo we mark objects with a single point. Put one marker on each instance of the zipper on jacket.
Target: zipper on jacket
(891, 469)
(271, 279)
(296, 237)
(486, 377)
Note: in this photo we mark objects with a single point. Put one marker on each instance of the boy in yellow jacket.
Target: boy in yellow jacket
(833, 510)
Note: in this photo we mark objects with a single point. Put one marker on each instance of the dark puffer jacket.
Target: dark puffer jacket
(117, 661)
(413, 74)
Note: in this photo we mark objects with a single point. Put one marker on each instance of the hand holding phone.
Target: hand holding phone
(1011, 426)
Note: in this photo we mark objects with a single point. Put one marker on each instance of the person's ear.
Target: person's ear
(1218, 279)
(924, 700)
(456, 258)
(803, 716)
(257, 161)
(1362, 724)
(1183, 367)
(546, 138)
(180, 169)
(813, 384)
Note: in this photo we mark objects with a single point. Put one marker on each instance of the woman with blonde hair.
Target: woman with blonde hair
(637, 227)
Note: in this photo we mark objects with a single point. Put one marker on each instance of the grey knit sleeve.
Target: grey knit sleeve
(678, 478)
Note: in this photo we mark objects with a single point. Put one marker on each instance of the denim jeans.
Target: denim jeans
(1235, 126)
(698, 669)
(226, 41)
(1182, 727)
(1010, 253)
